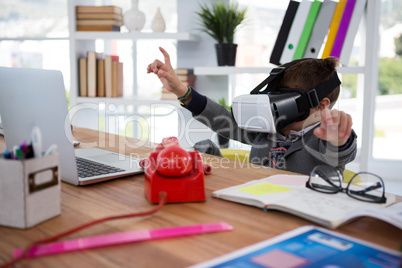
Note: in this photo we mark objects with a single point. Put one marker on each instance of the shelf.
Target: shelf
(44, 38)
(137, 101)
(228, 70)
(184, 36)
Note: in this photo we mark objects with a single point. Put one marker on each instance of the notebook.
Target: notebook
(36, 97)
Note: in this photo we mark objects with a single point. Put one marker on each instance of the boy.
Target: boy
(325, 137)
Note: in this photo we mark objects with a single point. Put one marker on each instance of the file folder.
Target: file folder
(295, 31)
(284, 32)
(307, 30)
(343, 27)
(357, 15)
(333, 29)
(320, 29)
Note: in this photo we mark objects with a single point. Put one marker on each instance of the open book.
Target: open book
(288, 193)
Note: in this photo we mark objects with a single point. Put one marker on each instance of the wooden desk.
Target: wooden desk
(122, 196)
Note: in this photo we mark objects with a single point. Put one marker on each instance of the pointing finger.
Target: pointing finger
(166, 55)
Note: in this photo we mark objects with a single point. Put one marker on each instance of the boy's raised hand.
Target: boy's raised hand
(336, 126)
(167, 75)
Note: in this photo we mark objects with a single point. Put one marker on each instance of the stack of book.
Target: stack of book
(186, 76)
(100, 75)
(99, 18)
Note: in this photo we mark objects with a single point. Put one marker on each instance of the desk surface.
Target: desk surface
(82, 204)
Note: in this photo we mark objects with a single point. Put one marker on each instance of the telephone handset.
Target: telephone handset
(177, 172)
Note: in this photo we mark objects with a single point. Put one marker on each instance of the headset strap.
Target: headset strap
(273, 79)
(313, 97)
(306, 101)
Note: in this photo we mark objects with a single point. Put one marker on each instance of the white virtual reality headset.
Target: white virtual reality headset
(274, 108)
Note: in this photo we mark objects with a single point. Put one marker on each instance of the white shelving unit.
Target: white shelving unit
(82, 41)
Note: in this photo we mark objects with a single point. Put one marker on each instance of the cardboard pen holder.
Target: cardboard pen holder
(29, 191)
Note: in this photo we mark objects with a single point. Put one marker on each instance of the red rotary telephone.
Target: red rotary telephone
(173, 170)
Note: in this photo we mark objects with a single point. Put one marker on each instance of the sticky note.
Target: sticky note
(264, 188)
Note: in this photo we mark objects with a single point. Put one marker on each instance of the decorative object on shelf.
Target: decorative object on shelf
(158, 22)
(220, 21)
(99, 18)
(134, 19)
(223, 141)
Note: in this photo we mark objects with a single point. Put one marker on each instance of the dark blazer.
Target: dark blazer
(302, 156)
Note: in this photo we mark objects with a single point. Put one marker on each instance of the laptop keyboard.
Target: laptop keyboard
(87, 168)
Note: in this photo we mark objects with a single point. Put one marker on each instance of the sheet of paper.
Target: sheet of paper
(289, 180)
(263, 188)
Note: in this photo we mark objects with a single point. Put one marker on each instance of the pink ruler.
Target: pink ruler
(121, 238)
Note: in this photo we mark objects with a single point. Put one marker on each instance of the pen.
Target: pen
(7, 154)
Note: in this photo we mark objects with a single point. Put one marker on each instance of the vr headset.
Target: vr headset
(274, 108)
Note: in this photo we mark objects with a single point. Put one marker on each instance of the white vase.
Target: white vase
(134, 19)
(158, 23)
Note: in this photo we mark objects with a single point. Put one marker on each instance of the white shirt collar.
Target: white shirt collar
(292, 136)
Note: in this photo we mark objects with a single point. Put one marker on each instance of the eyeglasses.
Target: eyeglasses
(363, 186)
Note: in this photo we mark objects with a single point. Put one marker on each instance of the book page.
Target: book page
(315, 206)
(391, 214)
(262, 192)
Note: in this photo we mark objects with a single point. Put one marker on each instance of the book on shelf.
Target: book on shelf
(99, 9)
(102, 28)
(99, 23)
(82, 62)
(358, 12)
(333, 28)
(289, 194)
(307, 29)
(94, 16)
(117, 78)
(108, 76)
(101, 77)
(295, 31)
(91, 74)
(343, 27)
(320, 29)
(284, 32)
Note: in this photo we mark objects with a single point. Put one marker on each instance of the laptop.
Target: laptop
(36, 97)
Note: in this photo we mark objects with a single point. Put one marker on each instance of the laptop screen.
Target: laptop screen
(34, 97)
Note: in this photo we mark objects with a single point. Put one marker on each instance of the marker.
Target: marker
(122, 238)
(24, 146)
(14, 154)
(7, 154)
(19, 154)
(29, 152)
(36, 137)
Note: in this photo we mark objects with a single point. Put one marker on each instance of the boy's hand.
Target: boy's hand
(336, 127)
(167, 75)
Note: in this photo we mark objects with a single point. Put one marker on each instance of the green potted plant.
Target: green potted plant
(220, 21)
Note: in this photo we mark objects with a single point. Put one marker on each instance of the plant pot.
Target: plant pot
(223, 142)
(226, 54)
